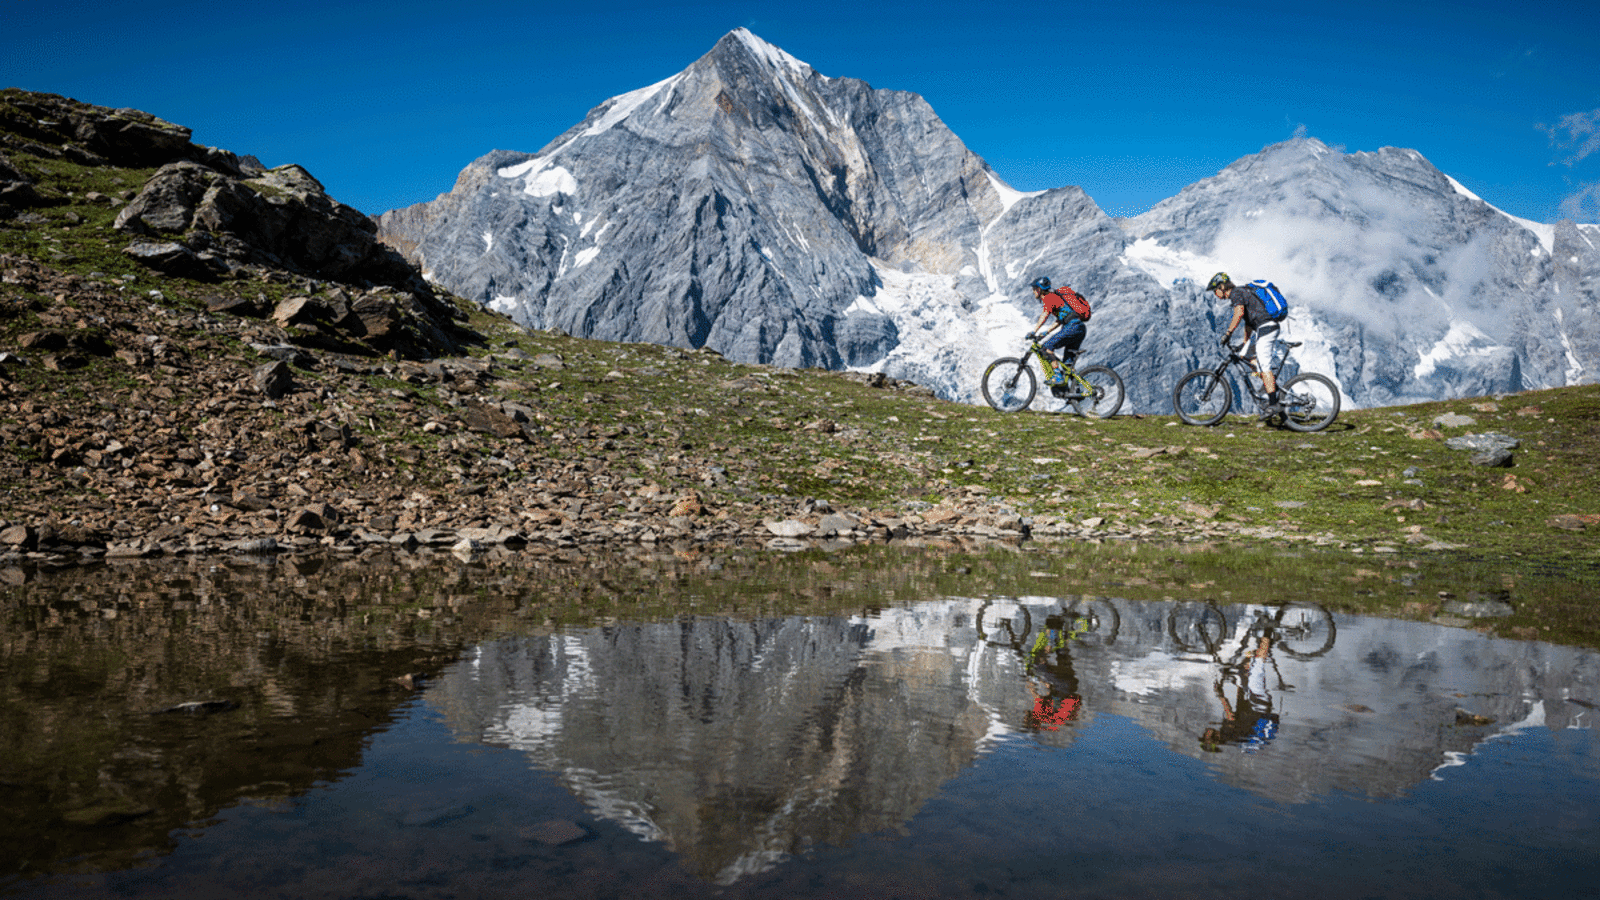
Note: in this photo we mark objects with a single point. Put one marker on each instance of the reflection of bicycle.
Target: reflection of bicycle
(1009, 384)
(1203, 397)
(1092, 621)
(1302, 630)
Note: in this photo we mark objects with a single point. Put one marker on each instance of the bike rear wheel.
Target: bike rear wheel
(1009, 385)
(1202, 397)
(1108, 392)
(1310, 402)
(1197, 627)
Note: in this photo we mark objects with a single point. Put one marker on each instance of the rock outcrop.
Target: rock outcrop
(209, 215)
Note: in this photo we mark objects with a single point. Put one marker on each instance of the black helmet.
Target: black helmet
(1219, 280)
(1041, 284)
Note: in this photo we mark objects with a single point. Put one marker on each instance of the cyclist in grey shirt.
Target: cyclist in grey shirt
(1258, 327)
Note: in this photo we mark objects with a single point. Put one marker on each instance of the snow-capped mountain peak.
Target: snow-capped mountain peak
(769, 54)
(751, 205)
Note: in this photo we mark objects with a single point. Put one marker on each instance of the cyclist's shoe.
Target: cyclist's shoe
(1057, 378)
(1272, 411)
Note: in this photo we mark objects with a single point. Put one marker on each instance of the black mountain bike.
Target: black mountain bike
(1202, 397)
(1010, 383)
(1302, 630)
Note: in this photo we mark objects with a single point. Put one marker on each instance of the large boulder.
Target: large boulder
(280, 218)
(174, 258)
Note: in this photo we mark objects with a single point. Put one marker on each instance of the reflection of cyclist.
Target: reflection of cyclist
(1250, 720)
(1260, 332)
(1052, 679)
(1069, 336)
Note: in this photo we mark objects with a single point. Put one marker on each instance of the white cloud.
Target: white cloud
(1584, 205)
(1375, 268)
(1577, 132)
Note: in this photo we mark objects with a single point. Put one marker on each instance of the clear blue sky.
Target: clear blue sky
(386, 102)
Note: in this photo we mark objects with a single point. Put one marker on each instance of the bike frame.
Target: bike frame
(1082, 616)
(1259, 625)
(1310, 401)
(1254, 383)
(1083, 388)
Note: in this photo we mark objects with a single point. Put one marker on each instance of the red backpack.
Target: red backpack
(1074, 301)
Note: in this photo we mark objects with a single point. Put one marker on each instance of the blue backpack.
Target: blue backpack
(1272, 299)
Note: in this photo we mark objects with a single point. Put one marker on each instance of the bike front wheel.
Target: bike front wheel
(1310, 402)
(1004, 623)
(1202, 397)
(1094, 621)
(1009, 385)
(1107, 392)
(1305, 630)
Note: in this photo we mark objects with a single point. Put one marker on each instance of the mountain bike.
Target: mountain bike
(1010, 383)
(1302, 630)
(1088, 620)
(1202, 397)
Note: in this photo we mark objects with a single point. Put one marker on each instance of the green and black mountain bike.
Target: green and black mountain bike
(1011, 383)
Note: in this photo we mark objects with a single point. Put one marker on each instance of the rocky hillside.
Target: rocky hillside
(198, 354)
(271, 380)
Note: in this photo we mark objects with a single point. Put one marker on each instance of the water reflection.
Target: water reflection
(735, 743)
(358, 728)
(741, 744)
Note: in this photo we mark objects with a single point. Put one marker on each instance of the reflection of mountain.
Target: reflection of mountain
(736, 743)
(740, 742)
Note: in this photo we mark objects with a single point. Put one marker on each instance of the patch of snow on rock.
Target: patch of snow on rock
(1545, 233)
(1462, 340)
(942, 345)
(1167, 265)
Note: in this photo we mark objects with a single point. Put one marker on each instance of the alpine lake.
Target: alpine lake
(922, 721)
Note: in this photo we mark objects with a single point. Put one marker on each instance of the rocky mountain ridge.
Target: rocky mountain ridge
(755, 207)
(210, 215)
(1404, 284)
(738, 205)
